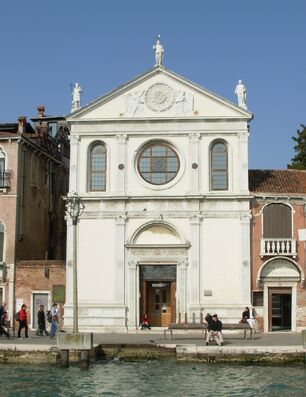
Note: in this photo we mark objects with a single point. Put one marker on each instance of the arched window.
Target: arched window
(97, 168)
(218, 166)
(3, 179)
(1, 241)
(2, 162)
(277, 221)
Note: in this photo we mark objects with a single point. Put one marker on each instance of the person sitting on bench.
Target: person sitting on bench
(145, 323)
(215, 330)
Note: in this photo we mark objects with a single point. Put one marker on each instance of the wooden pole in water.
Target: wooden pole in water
(64, 358)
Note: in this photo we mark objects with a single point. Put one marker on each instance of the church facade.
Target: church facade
(161, 165)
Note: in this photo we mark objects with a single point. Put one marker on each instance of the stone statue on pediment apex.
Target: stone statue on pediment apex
(159, 52)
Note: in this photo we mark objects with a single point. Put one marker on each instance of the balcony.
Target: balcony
(278, 246)
(5, 178)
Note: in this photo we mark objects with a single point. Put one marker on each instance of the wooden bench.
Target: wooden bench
(204, 327)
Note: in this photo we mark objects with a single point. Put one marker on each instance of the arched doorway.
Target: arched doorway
(279, 277)
(158, 264)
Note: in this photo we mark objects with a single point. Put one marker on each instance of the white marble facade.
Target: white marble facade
(185, 223)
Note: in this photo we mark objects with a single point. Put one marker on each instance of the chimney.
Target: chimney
(41, 111)
(22, 121)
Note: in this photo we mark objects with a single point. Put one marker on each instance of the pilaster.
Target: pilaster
(245, 258)
(74, 154)
(121, 159)
(182, 287)
(243, 170)
(194, 139)
(132, 294)
(194, 271)
(119, 284)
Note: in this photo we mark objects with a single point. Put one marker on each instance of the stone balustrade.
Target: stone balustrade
(277, 246)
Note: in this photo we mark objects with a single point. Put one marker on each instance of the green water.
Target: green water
(156, 378)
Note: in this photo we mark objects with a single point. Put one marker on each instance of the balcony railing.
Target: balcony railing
(5, 178)
(278, 246)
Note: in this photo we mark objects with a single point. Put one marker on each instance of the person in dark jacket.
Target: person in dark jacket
(245, 315)
(41, 320)
(215, 330)
(23, 322)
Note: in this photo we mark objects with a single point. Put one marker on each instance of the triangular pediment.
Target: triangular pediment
(159, 93)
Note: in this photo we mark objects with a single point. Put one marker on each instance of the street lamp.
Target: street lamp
(75, 208)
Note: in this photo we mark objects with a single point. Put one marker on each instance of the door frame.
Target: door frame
(279, 285)
(171, 286)
(153, 263)
(32, 303)
(277, 291)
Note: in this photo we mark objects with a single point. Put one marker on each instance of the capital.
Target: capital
(121, 138)
(74, 139)
(194, 137)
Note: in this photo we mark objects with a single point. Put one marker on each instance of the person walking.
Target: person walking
(54, 323)
(23, 322)
(41, 320)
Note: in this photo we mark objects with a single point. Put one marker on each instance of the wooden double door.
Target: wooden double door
(157, 299)
(157, 294)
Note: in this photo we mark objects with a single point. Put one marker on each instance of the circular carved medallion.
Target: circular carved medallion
(159, 97)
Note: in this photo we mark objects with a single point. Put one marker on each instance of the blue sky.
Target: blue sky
(45, 45)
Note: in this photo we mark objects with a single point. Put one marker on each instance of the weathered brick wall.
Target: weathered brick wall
(299, 222)
(301, 307)
(30, 276)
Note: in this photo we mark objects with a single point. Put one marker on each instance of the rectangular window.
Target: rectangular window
(52, 129)
(257, 298)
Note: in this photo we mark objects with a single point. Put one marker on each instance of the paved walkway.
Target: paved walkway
(275, 339)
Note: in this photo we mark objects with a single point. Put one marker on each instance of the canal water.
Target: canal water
(153, 378)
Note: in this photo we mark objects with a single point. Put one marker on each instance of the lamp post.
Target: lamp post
(75, 208)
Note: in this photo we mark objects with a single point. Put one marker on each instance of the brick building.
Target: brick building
(33, 177)
(278, 225)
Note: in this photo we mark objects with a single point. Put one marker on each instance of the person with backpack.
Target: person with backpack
(54, 314)
(23, 322)
(41, 320)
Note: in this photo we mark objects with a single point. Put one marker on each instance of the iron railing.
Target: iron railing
(5, 178)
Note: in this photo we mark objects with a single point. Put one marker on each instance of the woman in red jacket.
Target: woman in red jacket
(23, 322)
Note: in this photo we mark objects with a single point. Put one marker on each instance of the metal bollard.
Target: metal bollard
(186, 318)
(193, 318)
(179, 318)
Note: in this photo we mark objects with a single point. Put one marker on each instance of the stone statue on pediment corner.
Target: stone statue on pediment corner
(241, 93)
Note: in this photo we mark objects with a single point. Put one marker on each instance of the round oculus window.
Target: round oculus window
(158, 164)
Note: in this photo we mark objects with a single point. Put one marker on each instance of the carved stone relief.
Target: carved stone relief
(280, 268)
(158, 98)
(168, 253)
